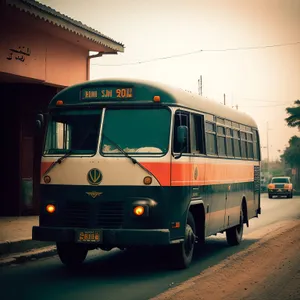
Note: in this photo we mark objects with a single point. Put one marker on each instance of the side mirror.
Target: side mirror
(40, 121)
(38, 124)
(182, 133)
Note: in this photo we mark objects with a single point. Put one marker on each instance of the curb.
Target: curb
(19, 258)
(10, 247)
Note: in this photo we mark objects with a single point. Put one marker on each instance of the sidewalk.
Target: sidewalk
(268, 269)
(16, 240)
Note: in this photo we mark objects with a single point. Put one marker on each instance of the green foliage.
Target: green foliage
(278, 172)
(292, 153)
(294, 115)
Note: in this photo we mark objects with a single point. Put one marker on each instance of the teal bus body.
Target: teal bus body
(114, 146)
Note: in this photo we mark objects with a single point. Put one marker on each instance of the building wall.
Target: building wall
(28, 51)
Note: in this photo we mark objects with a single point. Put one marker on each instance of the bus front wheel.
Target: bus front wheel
(234, 234)
(182, 254)
(71, 254)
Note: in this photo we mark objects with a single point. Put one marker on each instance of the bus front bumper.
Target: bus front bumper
(113, 237)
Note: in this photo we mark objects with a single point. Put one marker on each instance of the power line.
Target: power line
(277, 105)
(262, 100)
(195, 52)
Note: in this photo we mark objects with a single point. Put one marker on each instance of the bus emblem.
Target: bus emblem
(94, 176)
(94, 194)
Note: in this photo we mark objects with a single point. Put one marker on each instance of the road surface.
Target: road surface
(118, 275)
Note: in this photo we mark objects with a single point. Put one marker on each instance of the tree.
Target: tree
(294, 115)
(292, 153)
(291, 156)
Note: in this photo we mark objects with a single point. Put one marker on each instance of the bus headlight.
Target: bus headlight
(139, 210)
(50, 208)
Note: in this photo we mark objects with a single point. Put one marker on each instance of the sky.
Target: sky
(250, 51)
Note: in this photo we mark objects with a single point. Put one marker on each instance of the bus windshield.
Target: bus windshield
(73, 131)
(136, 131)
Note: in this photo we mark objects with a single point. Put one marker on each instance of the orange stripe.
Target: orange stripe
(181, 174)
(221, 172)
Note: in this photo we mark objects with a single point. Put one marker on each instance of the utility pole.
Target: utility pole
(268, 161)
(200, 85)
(224, 99)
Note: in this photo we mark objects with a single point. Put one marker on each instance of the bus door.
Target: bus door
(215, 173)
(199, 161)
(232, 199)
(181, 167)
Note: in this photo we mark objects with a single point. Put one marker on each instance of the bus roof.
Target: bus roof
(144, 91)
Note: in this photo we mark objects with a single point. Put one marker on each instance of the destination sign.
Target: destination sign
(106, 93)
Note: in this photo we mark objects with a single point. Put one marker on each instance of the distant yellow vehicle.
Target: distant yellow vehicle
(280, 186)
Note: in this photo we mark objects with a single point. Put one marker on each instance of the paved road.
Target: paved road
(118, 275)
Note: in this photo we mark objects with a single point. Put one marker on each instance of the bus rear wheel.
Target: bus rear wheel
(71, 254)
(234, 234)
(182, 254)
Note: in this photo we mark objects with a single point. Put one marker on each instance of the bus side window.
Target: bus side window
(197, 134)
(211, 138)
(256, 146)
(181, 119)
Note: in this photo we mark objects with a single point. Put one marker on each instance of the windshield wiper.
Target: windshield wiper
(130, 157)
(58, 161)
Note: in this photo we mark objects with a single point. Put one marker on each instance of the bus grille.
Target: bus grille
(102, 215)
(110, 215)
(76, 214)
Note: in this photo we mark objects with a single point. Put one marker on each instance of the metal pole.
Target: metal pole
(224, 100)
(268, 147)
(200, 85)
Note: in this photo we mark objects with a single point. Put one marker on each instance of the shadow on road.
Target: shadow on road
(145, 262)
(280, 198)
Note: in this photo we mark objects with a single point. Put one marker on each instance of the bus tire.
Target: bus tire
(71, 254)
(182, 254)
(234, 234)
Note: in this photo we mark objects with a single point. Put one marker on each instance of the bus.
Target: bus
(131, 164)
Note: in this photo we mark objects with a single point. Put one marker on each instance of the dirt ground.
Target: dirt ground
(267, 270)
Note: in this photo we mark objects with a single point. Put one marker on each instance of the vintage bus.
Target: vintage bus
(134, 163)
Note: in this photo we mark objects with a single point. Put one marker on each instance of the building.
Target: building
(41, 52)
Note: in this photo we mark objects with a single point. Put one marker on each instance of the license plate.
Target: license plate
(90, 236)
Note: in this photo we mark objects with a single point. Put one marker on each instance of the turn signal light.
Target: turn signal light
(47, 179)
(139, 210)
(147, 180)
(59, 102)
(175, 224)
(156, 98)
(50, 208)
